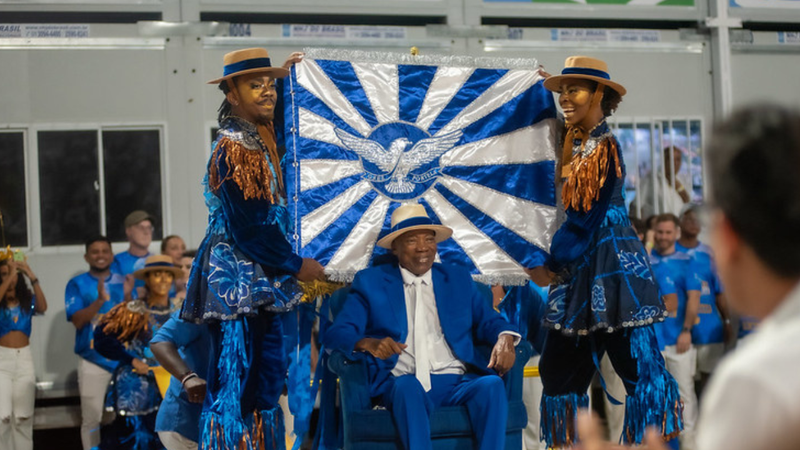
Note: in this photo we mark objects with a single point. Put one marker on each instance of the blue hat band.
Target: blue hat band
(585, 71)
(159, 264)
(410, 222)
(247, 64)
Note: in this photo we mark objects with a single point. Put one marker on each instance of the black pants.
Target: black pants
(568, 363)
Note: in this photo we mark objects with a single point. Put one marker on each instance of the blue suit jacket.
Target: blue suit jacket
(376, 308)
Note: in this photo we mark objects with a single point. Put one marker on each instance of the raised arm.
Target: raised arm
(72, 297)
(258, 233)
(41, 302)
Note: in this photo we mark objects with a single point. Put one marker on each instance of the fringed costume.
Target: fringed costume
(242, 277)
(124, 334)
(604, 299)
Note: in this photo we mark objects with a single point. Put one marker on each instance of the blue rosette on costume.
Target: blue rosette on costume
(228, 284)
(131, 394)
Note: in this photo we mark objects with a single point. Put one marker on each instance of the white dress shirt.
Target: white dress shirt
(666, 199)
(441, 358)
(753, 399)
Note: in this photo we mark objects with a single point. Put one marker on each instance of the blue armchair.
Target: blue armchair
(373, 429)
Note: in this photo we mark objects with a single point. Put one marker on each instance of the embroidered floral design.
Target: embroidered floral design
(635, 263)
(230, 277)
(598, 298)
(556, 307)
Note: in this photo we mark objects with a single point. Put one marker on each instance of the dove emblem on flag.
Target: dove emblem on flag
(396, 162)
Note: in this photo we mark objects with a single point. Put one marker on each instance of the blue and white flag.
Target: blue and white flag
(471, 139)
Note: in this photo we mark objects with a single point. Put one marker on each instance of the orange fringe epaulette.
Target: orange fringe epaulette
(586, 175)
(217, 433)
(124, 323)
(249, 169)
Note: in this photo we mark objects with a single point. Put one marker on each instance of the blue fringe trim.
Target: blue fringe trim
(142, 437)
(656, 401)
(222, 427)
(558, 418)
(269, 430)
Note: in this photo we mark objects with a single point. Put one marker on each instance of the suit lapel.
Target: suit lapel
(442, 303)
(396, 296)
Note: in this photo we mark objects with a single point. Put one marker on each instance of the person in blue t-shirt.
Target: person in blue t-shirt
(183, 349)
(88, 296)
(17, 379)
(675, 333)
(712, 333)
(139, 227)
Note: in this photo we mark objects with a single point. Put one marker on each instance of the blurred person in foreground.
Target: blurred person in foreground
(754, 165)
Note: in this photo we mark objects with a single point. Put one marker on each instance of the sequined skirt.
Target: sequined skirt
(610, 286)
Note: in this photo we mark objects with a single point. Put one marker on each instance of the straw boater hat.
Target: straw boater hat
(583, 67)
(158, 262)
(249, 60)
(412, 217)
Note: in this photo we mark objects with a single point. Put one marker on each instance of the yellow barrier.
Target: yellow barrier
(531, 372)
(162, 379)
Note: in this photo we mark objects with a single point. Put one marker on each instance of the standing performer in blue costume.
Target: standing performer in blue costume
(603, 296)
(123, 335)
(246, 272)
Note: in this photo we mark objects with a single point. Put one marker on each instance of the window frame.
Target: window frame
(32, 182)
(26, 166)
(656, 123)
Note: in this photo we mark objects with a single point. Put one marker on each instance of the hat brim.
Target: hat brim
(553, 83)
(441, 233)
(140, 274)
(274, 72)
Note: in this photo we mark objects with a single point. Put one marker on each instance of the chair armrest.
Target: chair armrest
(513, 379)
(353, 382)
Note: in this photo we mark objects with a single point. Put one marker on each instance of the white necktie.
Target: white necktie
(421, 338)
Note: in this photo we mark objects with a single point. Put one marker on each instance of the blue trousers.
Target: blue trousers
(411, 407)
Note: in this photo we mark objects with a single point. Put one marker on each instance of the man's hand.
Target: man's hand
(140, 366)
(503, 355)
(541, 275)
(311, 270)
(293, 59)
(684, 342)
(101, 290)
(380, 348)
(127, 286)
(195, 388)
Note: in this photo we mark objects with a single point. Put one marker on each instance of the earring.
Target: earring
(235, 103)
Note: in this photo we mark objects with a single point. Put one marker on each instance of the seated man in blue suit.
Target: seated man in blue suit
(416, 322)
